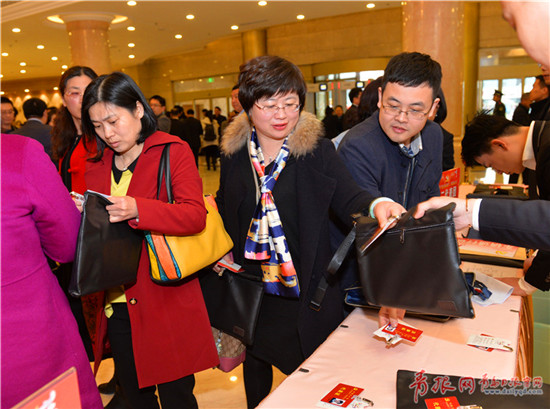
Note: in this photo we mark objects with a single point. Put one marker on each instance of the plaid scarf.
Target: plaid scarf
(266, 240)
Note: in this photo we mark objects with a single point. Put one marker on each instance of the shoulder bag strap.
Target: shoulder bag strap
(164, 173)
(332, 268)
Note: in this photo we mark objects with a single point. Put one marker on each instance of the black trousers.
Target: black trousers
(177, 394)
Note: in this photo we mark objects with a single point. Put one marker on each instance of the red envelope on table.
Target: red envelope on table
(406, 332)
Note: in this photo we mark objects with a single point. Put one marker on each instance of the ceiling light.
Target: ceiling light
(16, 30)
(22, 64)
(22, 71)
(1, 75)
(55, 88)
(131, 56)
(131, 3)
(178, 36)
(262, 3)
(40, 47)
(119, 19)
(27, 90)
(371, 5)
(190, 17)
(234, 27)
(131, 45)
(55, 19)
(54, 58)
(300, 17)
(5, 54)
(64, 67)
(233, 378)
(131, 28)
(1, 92)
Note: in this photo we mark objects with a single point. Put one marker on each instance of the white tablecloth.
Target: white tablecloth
(352, 355)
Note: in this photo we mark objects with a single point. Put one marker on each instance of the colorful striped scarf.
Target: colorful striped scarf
(266, 239)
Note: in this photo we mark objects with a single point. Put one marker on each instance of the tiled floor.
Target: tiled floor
(214, 389)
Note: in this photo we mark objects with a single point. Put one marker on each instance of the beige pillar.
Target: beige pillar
(254, 44)
(89, 40)
(449, 32)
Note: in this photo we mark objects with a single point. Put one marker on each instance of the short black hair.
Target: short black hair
(190, 112)
(543, 83)
(34, 108)
(160, 99)
(368, 104)
(479, 133)
(442, 109)
(266, 76)
(6, 100)
(120, 90)
(413, 70)
(236, 86)
(354, 93)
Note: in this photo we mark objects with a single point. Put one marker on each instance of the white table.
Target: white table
(352, 355)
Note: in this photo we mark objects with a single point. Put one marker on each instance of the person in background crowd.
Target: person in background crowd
(331, 123)
(351, 117)
(278, 171)
(158, 105)
(500, 108)
(521, 113)
(235, 103)
(193, 132)
(448, 147)
(52, 113)
(159, 335)
(176, 125)
(8, 115)
(540, 99)
(70, 151)
(40, 339)
(218, 117)
(209, 139)
(35, 127)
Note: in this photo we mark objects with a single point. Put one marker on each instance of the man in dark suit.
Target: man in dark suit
(351, 117)
(496, 142)
(193, 132)
(540, 97)
(176, 125)
(35, 127)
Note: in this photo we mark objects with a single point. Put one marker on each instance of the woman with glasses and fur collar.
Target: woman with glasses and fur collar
(279, 180)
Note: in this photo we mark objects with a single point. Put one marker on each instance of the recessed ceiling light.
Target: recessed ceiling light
(64, 67)
(119, 19)
(131, 28)
(55, 88)
(131, 3)
(55, 19)
(233, 378)
(54, 58)
(40, 47)
(27, 90)
(1, 92)
(22, 71)
(22, 64)
(190, 17)
(234, 27)
(131, 56)
(1, 75)
(300, 17)
(131, 45)
(178, 36)
(16, 30)
(371, 5)
(5, 54)
(262, 3)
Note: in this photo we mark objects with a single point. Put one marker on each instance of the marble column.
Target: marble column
(449, 32)
(254, 44)
(89, 40)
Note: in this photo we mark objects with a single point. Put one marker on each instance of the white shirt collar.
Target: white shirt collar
(528, 159)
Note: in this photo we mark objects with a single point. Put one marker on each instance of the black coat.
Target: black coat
(322, 184)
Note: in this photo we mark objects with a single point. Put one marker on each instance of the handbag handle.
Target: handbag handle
(164, 173)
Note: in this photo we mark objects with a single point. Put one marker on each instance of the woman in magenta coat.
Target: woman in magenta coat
(40, 339)
(159, 335)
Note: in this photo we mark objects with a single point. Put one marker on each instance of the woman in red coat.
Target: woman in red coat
(159, 335)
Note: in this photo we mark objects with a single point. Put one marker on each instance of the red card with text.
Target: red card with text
(448, 402)
(404, 331)
(342, 396)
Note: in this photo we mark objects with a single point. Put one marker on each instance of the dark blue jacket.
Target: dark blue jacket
(378, 165)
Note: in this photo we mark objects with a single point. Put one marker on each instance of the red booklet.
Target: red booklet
(341, 396)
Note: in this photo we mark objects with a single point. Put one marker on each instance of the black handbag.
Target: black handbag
(412, 266)
(107, 254)
(233, 302)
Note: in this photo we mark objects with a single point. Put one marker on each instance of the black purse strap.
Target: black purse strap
(333, 266)
(164, 173)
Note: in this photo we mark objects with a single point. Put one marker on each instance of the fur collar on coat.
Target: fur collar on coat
(303, 140)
